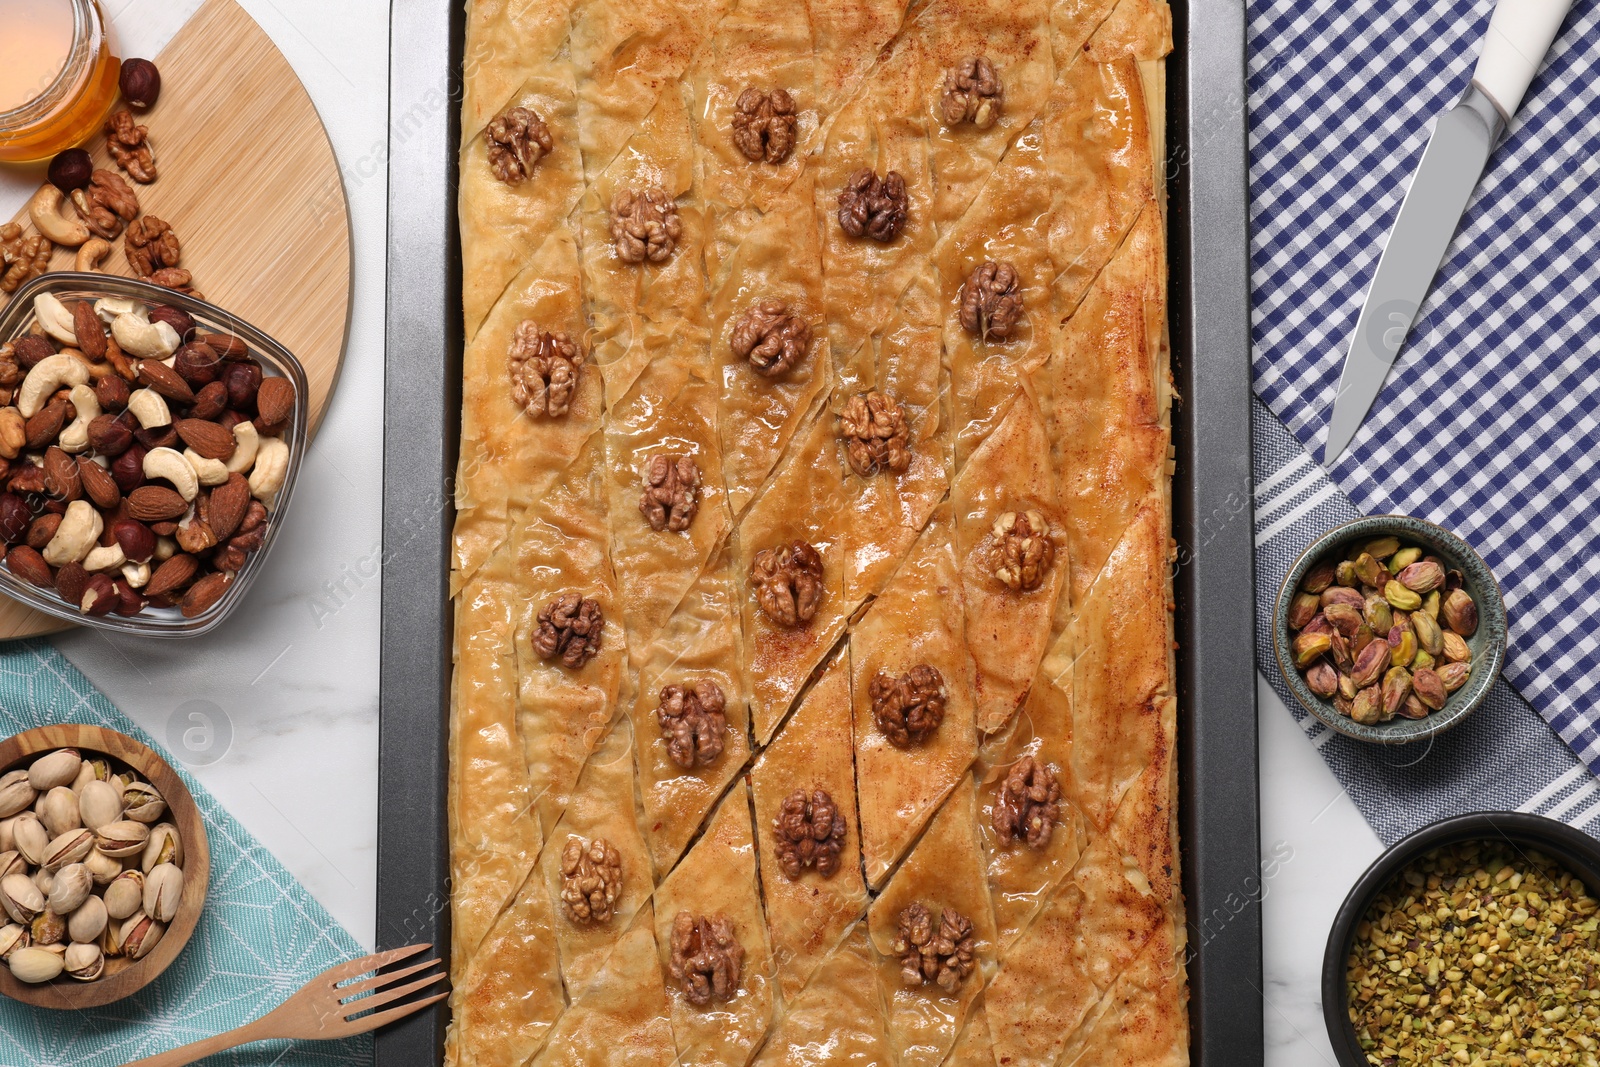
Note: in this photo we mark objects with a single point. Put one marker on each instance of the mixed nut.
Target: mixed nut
(141, 456)
(88, 871)
(1478, 952)
(1383, 632)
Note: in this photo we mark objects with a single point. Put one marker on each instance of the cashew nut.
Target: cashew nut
(48, 375)
(143, 338)
(246, 442)
(149, 407)
(272, 465)
(76, 536)
(166, 548)
(104, 558)
(137, 575)
(169, 463)
(92, 254)
(55, 319)
(45, 211)
(75, 437)
(109, 307)
(209, 471)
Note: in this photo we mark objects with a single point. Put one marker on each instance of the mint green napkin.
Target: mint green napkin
(260, 937)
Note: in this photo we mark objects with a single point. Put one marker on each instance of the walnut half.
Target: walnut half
(764, 125)
(544, 370)
(875, 435)
(706, 957)
(591, 880)
(671, 492)
(518, 138)
(908, 709)
(872, 206)
(770, 337)
(693, 723)
(810, 833)
(129, 144)
(1024, 550)
(972, 93)
(644, 224)
(991, 301)
(24, 256)
(106, 204)
(151, 245)
(943, 956)
(788, 582)
(570, 627)
(1027, 805)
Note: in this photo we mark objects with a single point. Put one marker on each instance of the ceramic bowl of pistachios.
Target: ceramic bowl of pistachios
(1390, 629)
(103, 866)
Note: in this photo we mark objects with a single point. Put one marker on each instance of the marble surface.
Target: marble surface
(277, 711)
(289, 689)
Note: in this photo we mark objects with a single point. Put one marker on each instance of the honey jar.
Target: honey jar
(58, 76)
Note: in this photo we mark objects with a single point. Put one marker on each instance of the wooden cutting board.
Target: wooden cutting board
(248, 180)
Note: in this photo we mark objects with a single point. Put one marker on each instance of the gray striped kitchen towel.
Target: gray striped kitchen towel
(1503, 758)
(1489, 423)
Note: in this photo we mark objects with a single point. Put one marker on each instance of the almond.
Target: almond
(90, 333)
(45, 426)
(171, 576)
(275, 401)
(166, 381)
(155, 503)
(27, 564)
(61, 475)
(31, 350)
(204, 594)
(98, 483)
(225, 344)
(43, 530)
(207, 438)
(229, 502)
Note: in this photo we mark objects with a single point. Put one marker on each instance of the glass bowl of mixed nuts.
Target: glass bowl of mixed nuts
(1475, 940)
(104, 866)
(150, 444)
(1390, 629)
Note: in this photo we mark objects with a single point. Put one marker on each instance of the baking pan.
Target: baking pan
(1218, 815)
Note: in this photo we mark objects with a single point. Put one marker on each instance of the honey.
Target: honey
(58, 76)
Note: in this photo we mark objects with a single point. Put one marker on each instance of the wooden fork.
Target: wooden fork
(323, 1009)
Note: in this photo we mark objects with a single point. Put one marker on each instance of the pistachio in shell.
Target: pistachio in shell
(102, 867)
(83, 961)
(99, 804)
(72, 887)
(31, 837)
(12, 937)
(89, 921)
(16, 794)
(125, 895)
(139, 934)
(164, 846)
(12, 863)
(1429, 688)
(1460, 613)
(20, 898)
(122, 838)
(59, 811)
(142, 802)
(55, 768)
(35, 965)
(162, 890)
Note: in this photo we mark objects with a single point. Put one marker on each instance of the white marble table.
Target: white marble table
(295, 679)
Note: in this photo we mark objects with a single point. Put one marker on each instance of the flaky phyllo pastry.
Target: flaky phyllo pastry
(813, 693)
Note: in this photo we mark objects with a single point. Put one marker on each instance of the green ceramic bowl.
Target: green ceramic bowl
(1488, 644)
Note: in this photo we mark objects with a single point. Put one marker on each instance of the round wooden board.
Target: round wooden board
(249, 181)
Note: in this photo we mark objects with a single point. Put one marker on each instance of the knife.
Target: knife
(1520, 33)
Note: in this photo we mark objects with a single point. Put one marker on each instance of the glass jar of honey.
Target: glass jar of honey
(58, 76)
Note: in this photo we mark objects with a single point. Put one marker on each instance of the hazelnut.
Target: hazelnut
(243, 380)
(197, 363)
(99, 597)
(108, 434)
(137, 540)
(180, 320)
(71, 170)
(129, 602)
(140, 83)
(112, 393)
(128, 468)
(72, 581)
(15, 516)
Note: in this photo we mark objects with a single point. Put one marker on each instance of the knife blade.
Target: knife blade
(1520, 32)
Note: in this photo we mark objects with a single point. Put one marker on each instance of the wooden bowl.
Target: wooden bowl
(122, 977)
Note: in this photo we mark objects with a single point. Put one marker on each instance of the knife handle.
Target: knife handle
(1520, 33)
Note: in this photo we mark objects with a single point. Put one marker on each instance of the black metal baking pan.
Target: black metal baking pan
(1218, 813)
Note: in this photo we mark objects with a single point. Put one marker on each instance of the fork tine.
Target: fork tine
(380, 1018)
(335, 975)
(378, 1000)
(379, 980)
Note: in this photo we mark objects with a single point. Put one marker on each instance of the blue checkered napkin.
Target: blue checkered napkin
(1490, 421)
(260, 938)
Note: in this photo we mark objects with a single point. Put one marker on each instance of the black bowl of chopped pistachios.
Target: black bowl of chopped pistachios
(1474, 940)
(1390, 629)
